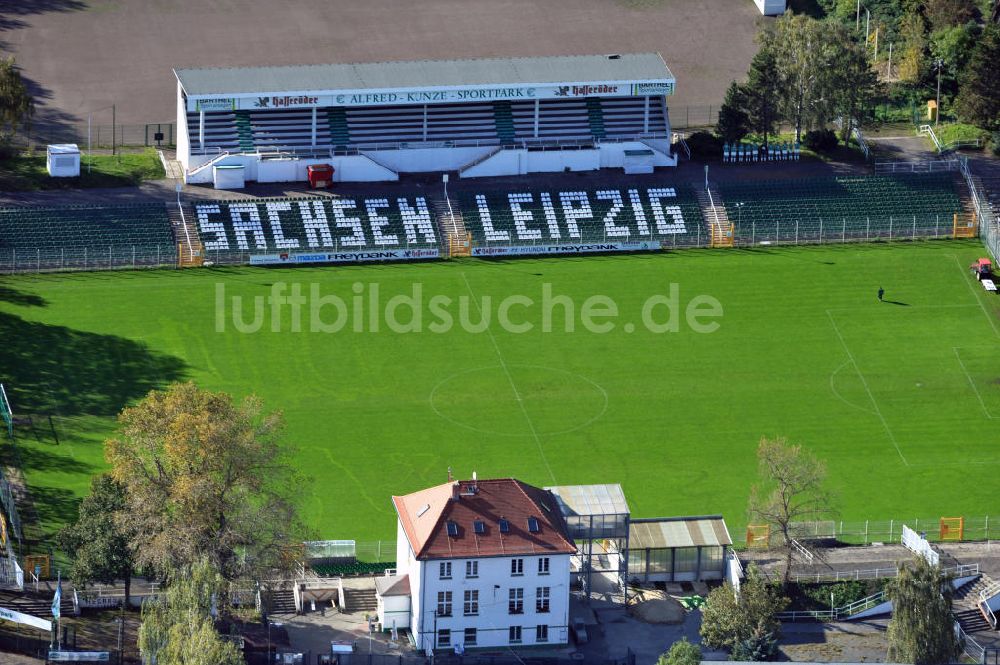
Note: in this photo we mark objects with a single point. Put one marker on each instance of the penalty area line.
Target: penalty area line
(864, 382)
(972, 383)
(510, 379)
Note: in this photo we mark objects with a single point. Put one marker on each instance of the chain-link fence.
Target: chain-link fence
(811, 230)
(100, 137)
(111, 257)
(685, 117)
(887, 531)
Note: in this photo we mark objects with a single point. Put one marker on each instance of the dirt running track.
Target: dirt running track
(84, 55)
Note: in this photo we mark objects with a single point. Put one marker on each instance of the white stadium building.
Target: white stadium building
(375, 121)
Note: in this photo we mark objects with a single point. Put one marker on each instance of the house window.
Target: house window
(444, 638)
(514, 635)
(471, 607)
(542, 633)
(515, 604)
(542, 599)
(444, 570)
(470, 637)
(517, 566)
(472, 569)
(543, 566)
(444, 604)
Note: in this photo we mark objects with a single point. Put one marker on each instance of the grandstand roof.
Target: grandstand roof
(425, 73)
(471, 518)
(667, 532)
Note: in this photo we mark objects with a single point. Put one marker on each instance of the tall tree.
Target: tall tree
(98, 546)
(803, 48)
(762, 93)
(948, 13)
(16, 104)
(205, 477)
(921, 629)
(978, 99)
(790, 489)
(913, 54)
(855, 84)
(733, 120)
(730, 618)
(178, 629)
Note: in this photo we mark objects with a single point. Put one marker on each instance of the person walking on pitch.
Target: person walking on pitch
(881, 292)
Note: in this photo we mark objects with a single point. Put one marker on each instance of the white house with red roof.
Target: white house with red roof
(486, 564)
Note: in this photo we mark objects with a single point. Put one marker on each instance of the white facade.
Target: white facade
(481, 599)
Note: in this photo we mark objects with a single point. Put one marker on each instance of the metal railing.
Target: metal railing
(964, 570)
(836, 613)
(355, 148)
(112, 257)
(989, 228)
(883, 166)
(801, 550)
(984, 601)
(929, 131)
(862, 143)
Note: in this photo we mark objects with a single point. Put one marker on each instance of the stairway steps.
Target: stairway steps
(244, 131)
(336, 120)
(503, 120)
(595, 116)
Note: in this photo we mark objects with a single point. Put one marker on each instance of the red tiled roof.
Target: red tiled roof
(425, 516)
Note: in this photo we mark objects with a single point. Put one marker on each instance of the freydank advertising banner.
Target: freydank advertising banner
(26, 619)
(580, 248)
(344, 257)
(388, 97)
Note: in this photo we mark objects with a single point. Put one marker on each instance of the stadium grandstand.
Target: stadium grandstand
(404, 223)
(371, 122)
(98, 237)
(856, 208)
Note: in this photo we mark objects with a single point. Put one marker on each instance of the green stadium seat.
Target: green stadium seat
(111, 236)
(852, 208)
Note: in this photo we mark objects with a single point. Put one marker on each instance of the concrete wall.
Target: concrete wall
(504, 162)
(424, 160)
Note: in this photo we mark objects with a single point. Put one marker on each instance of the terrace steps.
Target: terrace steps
(190, 250)
(720, 229)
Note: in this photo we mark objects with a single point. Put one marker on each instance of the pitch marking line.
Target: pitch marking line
(442, 382)
(868, 390)
(976, 296)
(972, 383)
(837, 394)
(513, 386)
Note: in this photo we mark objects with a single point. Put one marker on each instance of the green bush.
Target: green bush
(705, 145)
(954, 132)
(681, 653)
(820, 140)
(996, 143)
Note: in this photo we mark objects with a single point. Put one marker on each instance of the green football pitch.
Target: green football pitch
(901, 398)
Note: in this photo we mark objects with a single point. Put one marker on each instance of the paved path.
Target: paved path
(887, 557)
